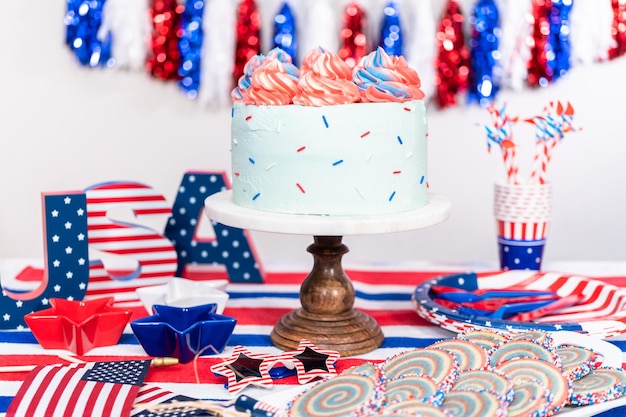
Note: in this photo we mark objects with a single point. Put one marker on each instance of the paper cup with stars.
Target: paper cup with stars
(522, 213)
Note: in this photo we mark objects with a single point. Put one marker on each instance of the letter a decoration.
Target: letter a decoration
(66, 257)
(230, 247)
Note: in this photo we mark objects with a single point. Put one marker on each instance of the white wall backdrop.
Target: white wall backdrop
(66, 127)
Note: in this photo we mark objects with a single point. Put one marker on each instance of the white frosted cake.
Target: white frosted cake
(343, 148)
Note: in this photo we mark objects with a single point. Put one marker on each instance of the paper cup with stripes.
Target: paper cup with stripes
(522, 213)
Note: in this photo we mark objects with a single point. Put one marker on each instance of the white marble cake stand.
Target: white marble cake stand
(327, 317)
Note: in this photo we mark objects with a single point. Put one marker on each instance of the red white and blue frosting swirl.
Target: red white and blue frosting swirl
(381, 77)
(324, 79)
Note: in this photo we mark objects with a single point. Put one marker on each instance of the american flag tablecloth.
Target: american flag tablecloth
(383, 293)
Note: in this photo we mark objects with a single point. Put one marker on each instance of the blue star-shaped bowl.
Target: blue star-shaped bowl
(183, 332)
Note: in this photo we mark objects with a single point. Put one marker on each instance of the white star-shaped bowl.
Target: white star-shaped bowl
(181, 292)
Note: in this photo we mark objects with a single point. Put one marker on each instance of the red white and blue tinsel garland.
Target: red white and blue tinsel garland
(465, 51)
(190, 47)
(285, 32)
(484, 77)
(353, 35)
(391, 33)
(83, 20)
(163, 59)
(452, 56)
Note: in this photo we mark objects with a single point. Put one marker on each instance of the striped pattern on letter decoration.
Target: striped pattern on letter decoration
(153, 254)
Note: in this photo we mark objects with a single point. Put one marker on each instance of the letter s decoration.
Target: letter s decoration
(152, 256)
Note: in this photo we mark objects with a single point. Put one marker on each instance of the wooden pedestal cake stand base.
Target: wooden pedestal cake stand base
(327, 317)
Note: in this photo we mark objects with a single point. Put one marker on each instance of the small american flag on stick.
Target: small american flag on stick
(81, 389)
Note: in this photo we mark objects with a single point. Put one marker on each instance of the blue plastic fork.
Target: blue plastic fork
(461, 296)
(506, 310)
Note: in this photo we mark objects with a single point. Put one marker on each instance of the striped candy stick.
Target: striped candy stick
(510, 162)
(554, 134)
(541, 160)
(551, 128)
(508, 146)
(549, 147)
(502, 135)
(545, 134)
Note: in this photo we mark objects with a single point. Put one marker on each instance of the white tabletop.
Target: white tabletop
(220, 208)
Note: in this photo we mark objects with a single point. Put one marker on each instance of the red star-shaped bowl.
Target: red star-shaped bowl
(78, 326)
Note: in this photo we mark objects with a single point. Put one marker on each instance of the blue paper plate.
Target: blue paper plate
(598, 314)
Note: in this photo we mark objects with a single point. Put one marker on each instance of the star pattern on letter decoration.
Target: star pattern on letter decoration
(245, 368)
(229, 246)
(62, 275)
(310, 361)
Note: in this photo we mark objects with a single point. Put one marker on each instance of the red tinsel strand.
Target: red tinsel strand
(618, 29)
(248, 33)
(352, 35)
(452, 56)
(164, 60)
(539, 70)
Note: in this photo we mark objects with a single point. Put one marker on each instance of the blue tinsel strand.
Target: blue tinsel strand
(190, 46)
(391, 35)
(285, 31)
(484, 56)
(559, 37)
(83, 19)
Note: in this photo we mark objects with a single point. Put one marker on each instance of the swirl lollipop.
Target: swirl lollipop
(599, 386)
(531, 398)
(419, 387)
(342, 395)
(473, 404)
